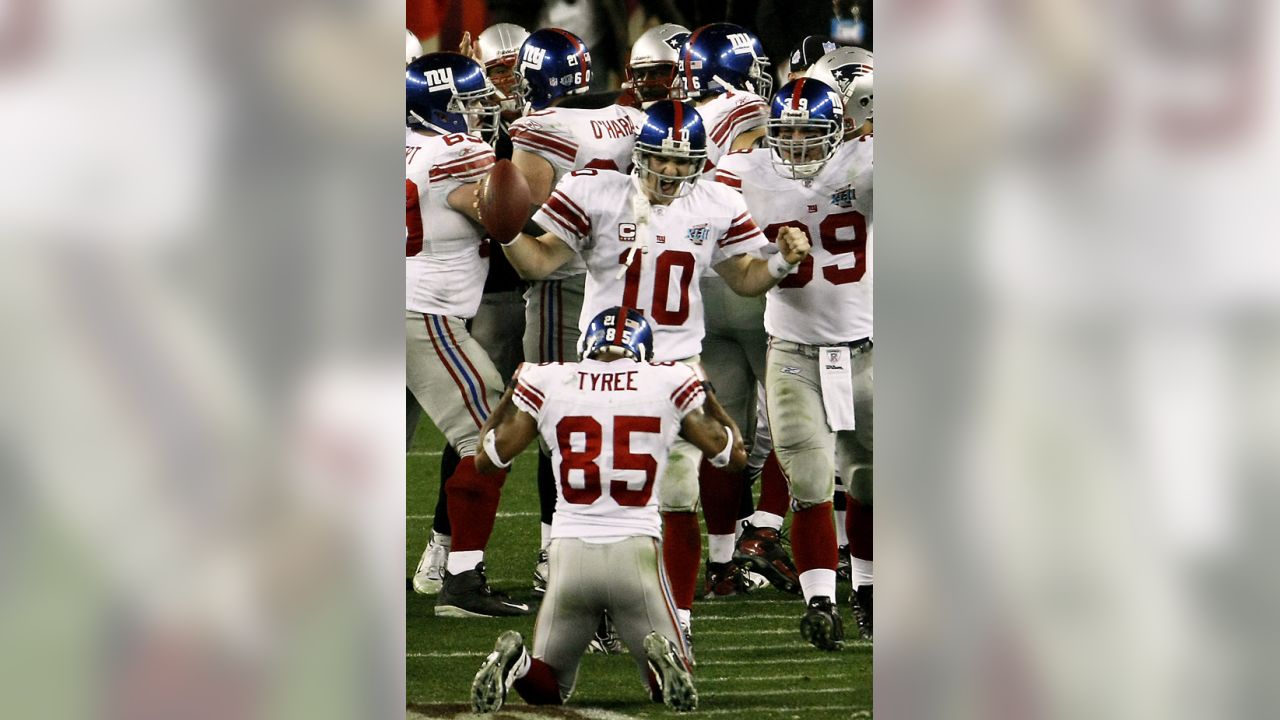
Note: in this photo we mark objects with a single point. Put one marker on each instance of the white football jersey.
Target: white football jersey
(591, 210)
(828, 299)
(576, 138)
(728, 115)
(610, 427)
(445, 259)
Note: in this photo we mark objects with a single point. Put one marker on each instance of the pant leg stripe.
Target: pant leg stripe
(442, 351)
(483, 403)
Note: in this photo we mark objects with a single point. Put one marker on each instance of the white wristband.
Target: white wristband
(779, 267)
(489, 442)
(722, 459)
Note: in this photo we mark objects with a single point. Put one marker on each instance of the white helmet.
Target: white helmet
(412, 48)
(500, 45)
(849, 70)
(652, 68)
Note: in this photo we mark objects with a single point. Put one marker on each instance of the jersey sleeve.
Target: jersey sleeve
(564, 211)
(729, 171)
(526, 395)
(689, 394)
(465, 161)
(743, 236)
(751, 114)
(545, 138)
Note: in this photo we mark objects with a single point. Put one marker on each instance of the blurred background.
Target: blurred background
(201, 463)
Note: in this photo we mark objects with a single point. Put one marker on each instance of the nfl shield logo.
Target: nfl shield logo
(698, 234)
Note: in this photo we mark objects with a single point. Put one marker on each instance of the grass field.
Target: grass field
(751, 661)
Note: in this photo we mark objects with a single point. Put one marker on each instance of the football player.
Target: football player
(819, 322)
(850, 70)
(549, 143)
(724, 73)
(449, 103)
(610, 421)
(651, 69)
(499, 322)
(645, 239)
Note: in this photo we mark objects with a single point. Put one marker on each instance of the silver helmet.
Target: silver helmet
(651, 71)
(412, 47)
(500, 48)
(849, 70)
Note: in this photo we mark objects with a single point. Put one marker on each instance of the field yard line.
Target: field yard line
(739, 631)
(709, 663)
(786, 691)
(753, 616)
(478, 655)
(501, 515)
(774, 709)
(425, 453)
(752, 678)
(699, 650)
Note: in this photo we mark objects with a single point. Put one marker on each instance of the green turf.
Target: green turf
(751, 659)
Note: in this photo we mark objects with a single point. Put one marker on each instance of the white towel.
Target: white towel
(835, 369)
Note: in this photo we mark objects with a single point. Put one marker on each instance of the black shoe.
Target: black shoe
(860, 598)
(821, 625)
(674, 678)
(760, 550)
(541, 571)
(725, 580)
(844, 568)
(468, 594)
(606, 640)
(489, 689)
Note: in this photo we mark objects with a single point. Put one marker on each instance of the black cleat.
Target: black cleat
(821, 625)
(860, 598)
(725, 580)
(468, 594)
(606, 640)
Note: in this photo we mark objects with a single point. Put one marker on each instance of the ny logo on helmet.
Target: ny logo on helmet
(741, 43)
(533, 57)
(439, 79)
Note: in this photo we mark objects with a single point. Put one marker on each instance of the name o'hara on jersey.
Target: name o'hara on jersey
(591, 211)
(828, 299)
(576, 138)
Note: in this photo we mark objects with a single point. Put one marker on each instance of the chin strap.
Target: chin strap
(640, 209)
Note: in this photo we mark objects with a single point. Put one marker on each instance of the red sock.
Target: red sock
(681, 553)
(473, 504)
(720, 490)
(813, 538)
(774, 495)
(860, 528)
(539, 686)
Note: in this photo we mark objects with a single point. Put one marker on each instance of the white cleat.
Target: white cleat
(430, 573)
(489, 689)
(673, 675)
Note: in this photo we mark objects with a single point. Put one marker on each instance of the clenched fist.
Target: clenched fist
(793, 243)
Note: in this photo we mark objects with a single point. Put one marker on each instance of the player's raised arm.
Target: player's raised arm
(508, 431)
(751, 276)
(500, 203)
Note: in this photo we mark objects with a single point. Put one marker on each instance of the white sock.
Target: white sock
(762, 519)
(684, 617)
(842, 537)
(861, 572)
(546, 535)
(460, 562)
(819, 582)
(720, 548)
(521, 668)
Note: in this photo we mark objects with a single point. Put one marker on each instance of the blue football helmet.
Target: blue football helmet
(621, 330)
(553, 63)
(805, 126)
(721, 57)
(450, 93)
(671, 129)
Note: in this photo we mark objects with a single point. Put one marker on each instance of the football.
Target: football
(503, 201)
